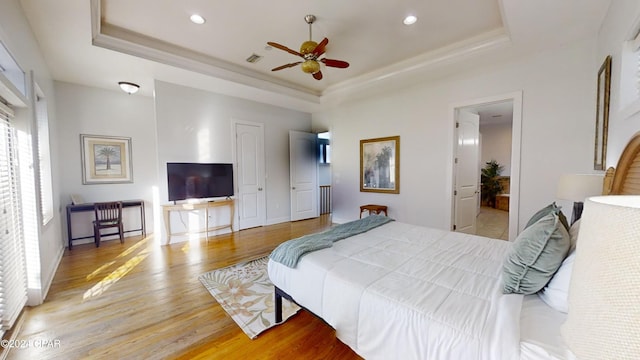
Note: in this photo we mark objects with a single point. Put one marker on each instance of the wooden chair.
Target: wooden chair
(108, 215)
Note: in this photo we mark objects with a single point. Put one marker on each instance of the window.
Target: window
(44, 158)
(324, 151)
(13, 287)
(11, 71)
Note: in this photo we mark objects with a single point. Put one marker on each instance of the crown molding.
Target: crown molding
(128, 42)
(451, 54)
(122, 40)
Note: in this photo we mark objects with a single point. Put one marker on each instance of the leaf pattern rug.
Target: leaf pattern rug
(245, 292)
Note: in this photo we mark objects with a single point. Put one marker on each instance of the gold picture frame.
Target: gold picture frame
(602, 115)
(380, 165)
(106, 159)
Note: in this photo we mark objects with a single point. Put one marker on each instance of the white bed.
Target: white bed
(540, 331)
(430, 294)
(410, 292)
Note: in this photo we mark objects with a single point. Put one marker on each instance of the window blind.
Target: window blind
(13, 286)
(44, 155)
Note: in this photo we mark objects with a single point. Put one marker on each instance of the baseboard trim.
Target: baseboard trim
(278, 220)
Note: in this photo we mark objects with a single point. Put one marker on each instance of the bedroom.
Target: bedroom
(558, 97)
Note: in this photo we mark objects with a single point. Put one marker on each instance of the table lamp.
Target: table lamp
(577, 187)
(604, 307)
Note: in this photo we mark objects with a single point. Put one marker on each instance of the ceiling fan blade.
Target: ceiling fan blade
(282, 47)
(318, 75)
(320, 48)
(335, 63)
(286, 66)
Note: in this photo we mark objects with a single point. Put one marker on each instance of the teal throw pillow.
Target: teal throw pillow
(535, 256)
(551, 208)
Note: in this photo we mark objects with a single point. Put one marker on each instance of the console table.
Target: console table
(168, 208)
(89, 207)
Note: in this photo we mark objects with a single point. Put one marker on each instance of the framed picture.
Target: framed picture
(602, 115)
(380, 165)
(106, 159)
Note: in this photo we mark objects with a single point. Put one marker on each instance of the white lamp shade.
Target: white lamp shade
(578, 187)
(604, 295)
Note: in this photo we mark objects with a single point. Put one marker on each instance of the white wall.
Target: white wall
(196, 126)
(496, 145)
(93, 111)
(557, 133)
(16, 34)
(617, 27)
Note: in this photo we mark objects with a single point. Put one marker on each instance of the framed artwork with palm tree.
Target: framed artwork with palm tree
(380, 165)
(106, 159)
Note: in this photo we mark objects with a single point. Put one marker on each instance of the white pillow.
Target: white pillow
(557, 290)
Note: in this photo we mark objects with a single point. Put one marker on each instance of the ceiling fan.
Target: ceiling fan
(310, 51)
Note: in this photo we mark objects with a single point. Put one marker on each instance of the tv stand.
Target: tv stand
(167, 209)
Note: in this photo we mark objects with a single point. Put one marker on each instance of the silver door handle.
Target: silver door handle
(259, 189)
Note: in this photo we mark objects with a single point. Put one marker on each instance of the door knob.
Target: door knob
(293, 188)
(259, 189)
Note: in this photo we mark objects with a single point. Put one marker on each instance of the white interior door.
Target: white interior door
(304, 175)
(466, 180)
(250, 175)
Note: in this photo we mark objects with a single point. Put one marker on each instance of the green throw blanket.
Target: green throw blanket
(289, 252)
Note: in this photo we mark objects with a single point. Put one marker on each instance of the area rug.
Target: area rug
(245, 292)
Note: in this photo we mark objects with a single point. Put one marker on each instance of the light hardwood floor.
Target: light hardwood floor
(141, 300)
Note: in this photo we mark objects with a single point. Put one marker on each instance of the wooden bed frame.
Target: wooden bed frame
(625, 179)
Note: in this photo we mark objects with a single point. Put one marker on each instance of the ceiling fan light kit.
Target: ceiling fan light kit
(310, 51)
(310, 66)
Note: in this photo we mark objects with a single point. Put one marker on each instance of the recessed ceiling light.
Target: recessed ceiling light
(197, 19)
(410, 20)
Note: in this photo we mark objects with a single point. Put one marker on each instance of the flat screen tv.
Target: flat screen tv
(199, 181)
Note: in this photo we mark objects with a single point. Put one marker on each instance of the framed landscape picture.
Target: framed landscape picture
(602, 115)
(106, 159)
(380, 165)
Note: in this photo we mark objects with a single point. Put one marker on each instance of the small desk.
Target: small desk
(373, 209)
(89, 207)
(168, 208)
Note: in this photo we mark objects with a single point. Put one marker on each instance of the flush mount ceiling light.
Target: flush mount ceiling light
(410, 20)
(197, 19)
(129, 87)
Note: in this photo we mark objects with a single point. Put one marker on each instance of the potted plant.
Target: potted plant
(490, 179)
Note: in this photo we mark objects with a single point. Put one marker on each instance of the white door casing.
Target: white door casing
(304, 175)
(250, 175)
(466, 173)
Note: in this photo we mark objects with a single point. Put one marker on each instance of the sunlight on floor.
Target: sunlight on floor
(99, 270)
(104, 284)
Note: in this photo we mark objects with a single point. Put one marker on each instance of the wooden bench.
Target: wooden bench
(373, 209)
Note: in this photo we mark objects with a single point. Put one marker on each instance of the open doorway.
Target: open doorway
(496, 129)
(324, 172)
(498, 147)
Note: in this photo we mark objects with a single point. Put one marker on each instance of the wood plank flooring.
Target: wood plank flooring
(141, 300)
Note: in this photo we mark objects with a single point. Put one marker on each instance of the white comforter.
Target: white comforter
(410, 292)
